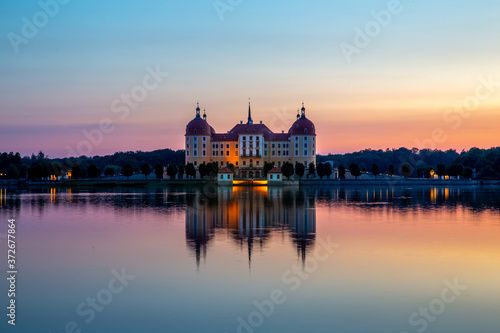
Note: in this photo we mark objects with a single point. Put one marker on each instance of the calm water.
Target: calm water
(376, 259)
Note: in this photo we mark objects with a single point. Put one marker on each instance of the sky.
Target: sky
(96, 77)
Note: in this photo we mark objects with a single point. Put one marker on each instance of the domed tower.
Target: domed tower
(198, 137)
(303, 139)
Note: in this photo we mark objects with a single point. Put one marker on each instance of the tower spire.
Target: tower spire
(303, 111)
(197, 109)
(250, 121)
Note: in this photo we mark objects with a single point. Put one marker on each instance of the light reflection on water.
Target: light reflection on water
(203, 255)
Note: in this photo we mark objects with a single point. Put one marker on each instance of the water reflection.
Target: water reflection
(250, 216)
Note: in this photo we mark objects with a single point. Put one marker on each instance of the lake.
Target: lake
(262, 259)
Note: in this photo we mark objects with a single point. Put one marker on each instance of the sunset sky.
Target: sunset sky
(400, 87)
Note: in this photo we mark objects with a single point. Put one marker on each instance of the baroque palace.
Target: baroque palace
(248, 146)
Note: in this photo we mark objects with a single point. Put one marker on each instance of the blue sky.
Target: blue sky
(279, 53)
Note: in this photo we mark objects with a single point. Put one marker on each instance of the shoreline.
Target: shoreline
(285, 183)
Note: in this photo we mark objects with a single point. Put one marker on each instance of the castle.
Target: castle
(249, 146)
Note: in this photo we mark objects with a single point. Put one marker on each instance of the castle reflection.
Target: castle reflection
(250, 215)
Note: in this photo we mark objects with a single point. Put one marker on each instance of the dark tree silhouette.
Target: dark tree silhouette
(406, 170)
(355, 171)
(375, 169)
(328, 170)
(76, 172)
(299, 169)
(146, 169)
(127, 170)
(190, 170)
(391, 170)
(93, 171)
(172, 171)
(341, 171)
(159, 171)
(441, 170)
(268, 166)
(311, 170)
(320, 169)
(287, 170)
(181, 170)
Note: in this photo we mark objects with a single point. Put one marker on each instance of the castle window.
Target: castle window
(195, 153)
(204, 146)
(187, 153)
(296, 153)
(236, 146)
(273, 152)
(204, 153)
(244, 138)
(204, 139)
(251, 138)
(195, 138)
(236, 163)
(265, 145)
(194, 162)
(227, 153)
(227, 146)
(244, 162)
(305, 138)
(272, 146)
(296, 145)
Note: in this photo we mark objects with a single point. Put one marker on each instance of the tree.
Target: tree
(146, 169)
(441, 170)
(109, 171)
(468, 172)
(172, 170)
(341, 171)
(375, 169)
(231, 167)
(93, 171)
(391, 170)
(311, 170)
(406, 170)
(190, 170)
(299, 169)
(355, 171)
(328, 170)
(203, 170)
(159, 171)
(287, 170)
(212, 169)
(127, 170)
(267, 167)
(320, 169)
(181, 170)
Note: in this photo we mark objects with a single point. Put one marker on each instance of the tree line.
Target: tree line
(474, 163)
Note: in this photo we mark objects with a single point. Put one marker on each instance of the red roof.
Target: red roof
(274, 170)
(302, 126)
(225, 137)
(199, 126)
(225, 170)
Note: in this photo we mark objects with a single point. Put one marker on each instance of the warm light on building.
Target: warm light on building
(248, 146)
